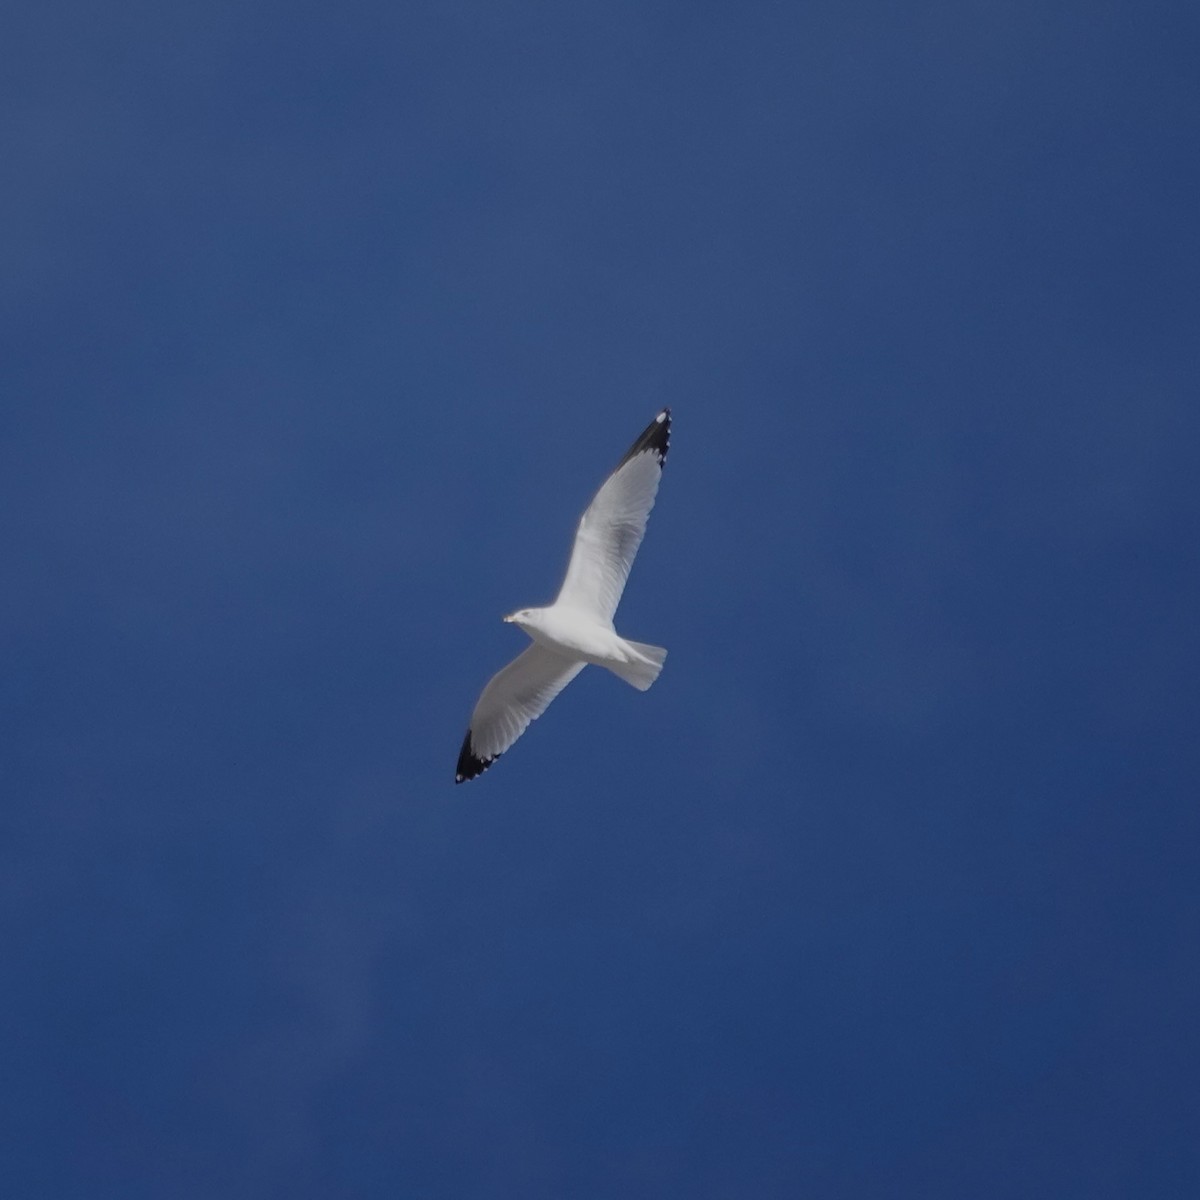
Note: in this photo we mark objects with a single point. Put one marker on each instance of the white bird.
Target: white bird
(577, 628)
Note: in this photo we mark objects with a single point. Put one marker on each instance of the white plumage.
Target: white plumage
(577, 628)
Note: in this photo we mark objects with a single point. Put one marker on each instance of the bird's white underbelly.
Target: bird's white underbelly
(577, 636)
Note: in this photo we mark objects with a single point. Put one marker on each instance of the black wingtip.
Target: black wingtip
(468, 765)
(655, 437)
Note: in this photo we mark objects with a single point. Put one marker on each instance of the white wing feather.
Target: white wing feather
(516, 695)
(612, 528)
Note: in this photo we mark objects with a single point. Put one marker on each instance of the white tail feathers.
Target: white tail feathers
(642, 669)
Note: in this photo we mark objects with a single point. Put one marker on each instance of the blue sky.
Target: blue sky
(322, 324)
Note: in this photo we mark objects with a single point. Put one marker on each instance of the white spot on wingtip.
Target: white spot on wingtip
(662, 416)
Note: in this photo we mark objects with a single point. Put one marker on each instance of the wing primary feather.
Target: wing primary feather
(656, 436)
(469, 766)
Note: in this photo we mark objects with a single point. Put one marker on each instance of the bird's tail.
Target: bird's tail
(645, 662)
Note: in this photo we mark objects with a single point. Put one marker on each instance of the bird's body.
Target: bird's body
(573, 633)
(577, 629)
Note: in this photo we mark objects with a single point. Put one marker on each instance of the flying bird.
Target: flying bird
(577, 628)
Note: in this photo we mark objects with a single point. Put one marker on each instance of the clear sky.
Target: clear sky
(321, 324)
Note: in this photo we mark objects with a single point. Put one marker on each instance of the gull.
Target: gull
(577, 628)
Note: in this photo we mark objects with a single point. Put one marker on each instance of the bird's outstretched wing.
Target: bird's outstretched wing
(611, 529)
(516, 695)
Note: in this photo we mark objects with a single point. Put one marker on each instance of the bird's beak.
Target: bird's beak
(508, 618)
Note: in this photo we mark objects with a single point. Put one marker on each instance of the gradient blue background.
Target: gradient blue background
(321, 324)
